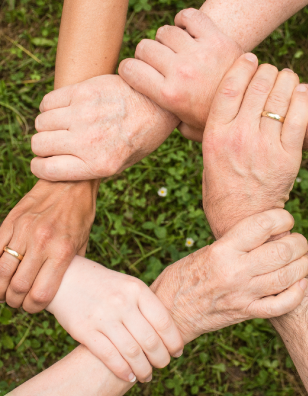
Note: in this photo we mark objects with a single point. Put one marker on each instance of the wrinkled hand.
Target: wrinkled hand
(49, 226)
(237, 278)
(250, 162)
(181, 70)
(118, 318)
(96, 129)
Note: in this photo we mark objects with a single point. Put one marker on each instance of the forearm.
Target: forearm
(293, 329)
(90, 39)
(79, 373)
(249, 22)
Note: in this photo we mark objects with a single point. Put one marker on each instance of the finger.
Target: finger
(278, 102)
(46, 144)
(9, 264)
(130, 350)
(196, 23)
(24, 277)
(53, 120)
(49, 278)
(273, 306)
(191, 133)
(143, 78)
(62, 168)
(56, 99)
(161, 320)
(273, 255)
(255, 230)
(230, 93)
(295, 125)
(174, 38)
(258, 91)
(148, 339)
(155, 54)
(283, 278)
(104, 350)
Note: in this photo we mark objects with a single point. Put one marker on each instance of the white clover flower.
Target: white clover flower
(162, 192)
(189, 242)
(298, 179)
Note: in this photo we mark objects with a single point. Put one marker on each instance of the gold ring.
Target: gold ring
(273, 116)
(13, 253)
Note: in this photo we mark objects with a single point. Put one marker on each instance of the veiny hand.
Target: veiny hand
(181, 70)
(237, 278)
(250, 162)
(49, 226)
(95, 129)
(118, 318)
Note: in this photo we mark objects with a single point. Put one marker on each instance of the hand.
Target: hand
(250, 162)
(96, 129)
(181, 70)
(237, 278)
(49, 226)
(117, 318)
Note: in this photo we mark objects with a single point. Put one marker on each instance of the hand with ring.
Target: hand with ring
(40, 237)
(253, 141)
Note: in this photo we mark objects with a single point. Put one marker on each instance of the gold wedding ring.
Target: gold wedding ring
(13, 253)
(273, 116)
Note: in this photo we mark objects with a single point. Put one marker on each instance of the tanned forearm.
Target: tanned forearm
(90, 39)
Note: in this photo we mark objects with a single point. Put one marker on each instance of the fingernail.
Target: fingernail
(188, 12)
(301, 88)
(178, 354)
(303, 284)
(288, 70)
(251, 57)
(148, 379)
(132, 377)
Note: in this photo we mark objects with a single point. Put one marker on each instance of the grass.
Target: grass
(135, 230)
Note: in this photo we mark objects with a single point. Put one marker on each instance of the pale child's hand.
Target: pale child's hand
(118, 318)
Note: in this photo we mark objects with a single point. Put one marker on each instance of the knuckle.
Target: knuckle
(264, 221)
(133, 350)
(283, 278)
(119, 300)
(65, 249)
(229, 88)
(283, 251)
(20, 286)
(135, 286)
(164, 322)
(40, 297)
(6, 270)
(186, 71)
(43, 234)
(110, 353)
(277, 98)
(170, 94)
(260, 86)
(152, 342)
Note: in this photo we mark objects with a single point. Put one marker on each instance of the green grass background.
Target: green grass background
(135, 230)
